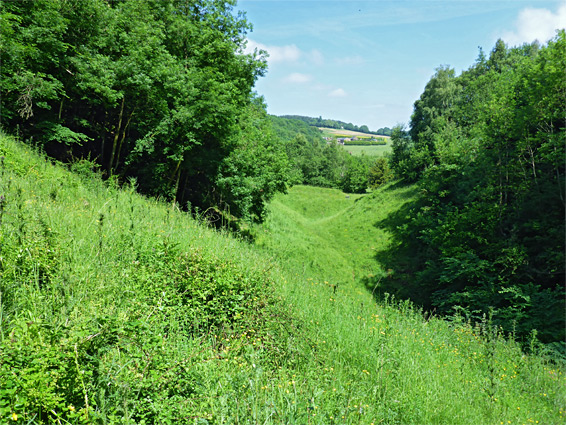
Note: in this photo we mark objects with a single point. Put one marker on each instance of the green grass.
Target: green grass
(404, 368)
(378, 150)
(331, 233)
(120, 309)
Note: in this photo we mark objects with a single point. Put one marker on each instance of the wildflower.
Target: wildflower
(14, 416)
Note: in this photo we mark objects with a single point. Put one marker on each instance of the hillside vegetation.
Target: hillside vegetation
(486, 235)
(160, 91)
(120, 309)
(317, 162)
(330, 232)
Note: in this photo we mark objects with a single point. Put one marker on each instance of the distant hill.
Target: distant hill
(320, 122)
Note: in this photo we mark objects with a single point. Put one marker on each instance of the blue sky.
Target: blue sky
(366, 62)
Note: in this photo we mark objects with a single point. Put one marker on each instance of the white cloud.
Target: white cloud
(297, 78)
(338, 93)
(289, 53)
(536, 24)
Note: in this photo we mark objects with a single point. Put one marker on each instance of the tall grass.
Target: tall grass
(120, 309)
(387, 361)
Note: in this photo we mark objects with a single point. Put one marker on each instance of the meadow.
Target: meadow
(374, 151)
(116, 308)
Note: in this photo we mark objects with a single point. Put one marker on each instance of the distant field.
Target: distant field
(378, 150)
(334, 132)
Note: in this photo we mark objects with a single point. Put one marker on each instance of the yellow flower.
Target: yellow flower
(14, 416)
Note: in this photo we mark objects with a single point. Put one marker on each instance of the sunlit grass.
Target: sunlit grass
(377, 150)
(86, 287)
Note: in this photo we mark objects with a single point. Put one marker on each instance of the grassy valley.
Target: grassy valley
(136, 127)
(117, 308)
(330, 231)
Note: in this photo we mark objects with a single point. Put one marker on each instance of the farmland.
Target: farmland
(378, 150)
(338, 133)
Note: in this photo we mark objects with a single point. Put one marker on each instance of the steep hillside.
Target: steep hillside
(120, 309)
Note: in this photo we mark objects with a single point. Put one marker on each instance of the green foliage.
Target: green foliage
(40, 374)
(255, 169)
(379, 173)
(403, 154)
(152, 90)
(146, 316)
(487, 232)
(389, 352)
(316, 162)
(361, 142)
(320, 122)
(287, 128)
(355, 179)
(116, 309)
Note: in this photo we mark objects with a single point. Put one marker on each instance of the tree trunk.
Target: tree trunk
(116, 136)
(122, 139)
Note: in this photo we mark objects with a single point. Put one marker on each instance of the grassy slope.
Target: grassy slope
(335, 232)
(106, 299)
(94, 330)
(420, 371)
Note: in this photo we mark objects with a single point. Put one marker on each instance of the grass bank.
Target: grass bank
(120, 309)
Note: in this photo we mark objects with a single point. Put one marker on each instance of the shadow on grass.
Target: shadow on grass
(399, 261)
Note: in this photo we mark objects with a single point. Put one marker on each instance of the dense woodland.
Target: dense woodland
(160, 94)
(487, 149)
(159, 91)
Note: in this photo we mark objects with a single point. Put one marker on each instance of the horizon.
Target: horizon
(367, 62)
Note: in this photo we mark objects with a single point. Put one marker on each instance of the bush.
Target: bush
(379, 173)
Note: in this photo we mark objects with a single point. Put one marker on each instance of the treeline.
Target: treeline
(155, 91)
(316, 162)
(320, 122)
(361, 142)
(487, 148)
